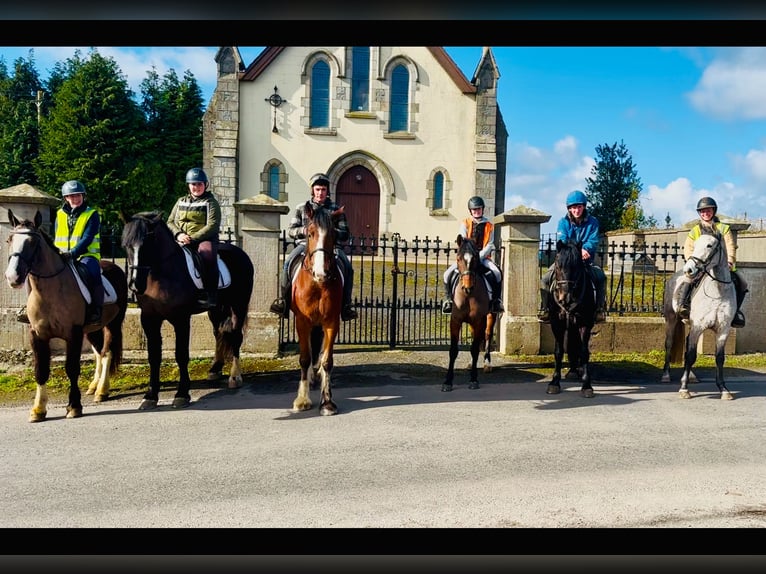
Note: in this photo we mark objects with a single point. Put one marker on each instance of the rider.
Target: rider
(320, 186)
(195, 221)
(77, 234)
(579, 226)
(710, 224)
(481, 230)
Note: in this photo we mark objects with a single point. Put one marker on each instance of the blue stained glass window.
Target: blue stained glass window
(320, 95)
(400, 82)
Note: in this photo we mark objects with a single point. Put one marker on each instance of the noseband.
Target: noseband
(30, 261)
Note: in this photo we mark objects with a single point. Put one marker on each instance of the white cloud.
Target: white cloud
(733, 85)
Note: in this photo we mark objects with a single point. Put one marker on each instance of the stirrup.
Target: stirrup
(21, 316)
(348, 313)
(544, 316)
(600, 316)
(278, 306)
(496, 306)
(738, 321)
(683, 312)
(446, 307)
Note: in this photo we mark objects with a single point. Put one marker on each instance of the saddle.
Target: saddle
(194, 265)
(85, 283)
(454, 280)
(296, 263)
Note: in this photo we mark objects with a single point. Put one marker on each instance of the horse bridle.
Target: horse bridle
(704, 264)
(29, 261)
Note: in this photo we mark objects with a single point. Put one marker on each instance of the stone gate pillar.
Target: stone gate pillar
(259, 227)
(520, 332)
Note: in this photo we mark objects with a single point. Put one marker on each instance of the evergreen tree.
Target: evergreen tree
(614, 189)
(20, 106)
(92, 133)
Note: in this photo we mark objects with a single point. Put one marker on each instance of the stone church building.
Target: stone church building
(404, 136)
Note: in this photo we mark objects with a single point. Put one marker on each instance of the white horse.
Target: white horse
(713, 304)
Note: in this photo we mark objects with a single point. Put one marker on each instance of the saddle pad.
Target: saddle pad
(224, 276)
(110, 295)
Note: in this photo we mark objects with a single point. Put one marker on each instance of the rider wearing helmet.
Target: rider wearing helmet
(77, 234)
(709, 223)
(481, 230)
(319, 184)
(195, 221)
(580, 226)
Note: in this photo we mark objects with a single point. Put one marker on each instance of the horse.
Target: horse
(166, 284)
(471, 302)
(712, 306)
(572, 306)
(56, 306)
(316, 302)
(674, 330)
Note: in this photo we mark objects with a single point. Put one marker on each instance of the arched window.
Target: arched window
(360, 79)
(438, 191)
(273, 187)
(320, 95)
(400, 87)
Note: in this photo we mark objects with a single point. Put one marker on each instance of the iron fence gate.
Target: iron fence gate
(397, 293)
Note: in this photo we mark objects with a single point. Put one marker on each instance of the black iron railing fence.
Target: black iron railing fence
(635, 272)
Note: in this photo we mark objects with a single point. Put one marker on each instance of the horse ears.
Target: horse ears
(38, 218)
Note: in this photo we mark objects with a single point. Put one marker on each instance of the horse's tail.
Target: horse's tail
(118, 280)
(677, 349)
(224, 346)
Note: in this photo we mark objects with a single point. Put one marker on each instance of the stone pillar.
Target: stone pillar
(520, 332)
(25, 201)
(259, 227)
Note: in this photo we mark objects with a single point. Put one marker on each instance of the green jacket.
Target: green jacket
(199, 217)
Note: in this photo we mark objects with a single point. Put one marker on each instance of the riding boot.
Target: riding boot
(447, 302)
(21, 316)
(543, 314)
(682, 298)
(94, 314)
(600, 304)
(496, 303)
(281, 306)
(739, 318)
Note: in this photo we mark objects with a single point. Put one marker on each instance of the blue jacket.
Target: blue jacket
(587, 232)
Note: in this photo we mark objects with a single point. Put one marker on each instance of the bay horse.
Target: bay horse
(572, 307)
(56, 307)
(317, 299)
(471, 303)
(166, 285)
(712, 306)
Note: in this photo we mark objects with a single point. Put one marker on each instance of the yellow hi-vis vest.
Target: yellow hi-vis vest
(66, 243)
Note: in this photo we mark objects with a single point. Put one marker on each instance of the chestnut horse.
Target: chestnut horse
(56, 308)
(316, 303)
(470, 306)
(160, 275)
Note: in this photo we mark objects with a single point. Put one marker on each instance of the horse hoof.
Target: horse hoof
(301, 406)
(37, 417)
(214, 375)
(73, 412)
(181, 402)
(665, 379)
(727, 396)
(147, 405)
(90, 390)
(473, 385)
(235, 382)
(684, 395)
(553, 390)
(328, 410)
(100, 398)
(587, 393)
(446, 388)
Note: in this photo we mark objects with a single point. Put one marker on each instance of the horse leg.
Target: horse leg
(182, 398)
(554, 387)
(100, 341)
(42, 356)
(326, 404)
(302, 400)
(720, 357)
(586, 391)
(72, 368)
(690, 356)
(317, 346)
(151, 327)
(453, 352)
(487, 343)
(476, 344)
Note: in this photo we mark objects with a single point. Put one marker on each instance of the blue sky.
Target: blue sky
(693, 119)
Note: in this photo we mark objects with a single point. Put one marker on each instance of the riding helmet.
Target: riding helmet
(196, 175)
(72, 187)
(707, 202)
(576, 197)
(475, 202)
(319, 179)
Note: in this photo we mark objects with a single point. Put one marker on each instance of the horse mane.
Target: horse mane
(138, 227)
(569, 255)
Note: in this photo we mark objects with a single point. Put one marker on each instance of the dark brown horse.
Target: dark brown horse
(471, 307)
(572, 307)
(316, 303)
(56, 309)
(162, 281)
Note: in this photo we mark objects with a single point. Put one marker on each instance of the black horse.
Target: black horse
(160, 276)
(572, 307)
